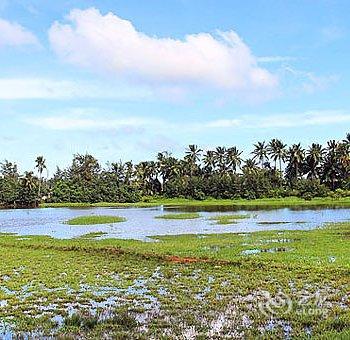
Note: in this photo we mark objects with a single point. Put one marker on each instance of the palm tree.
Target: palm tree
(314, 158)
(220, 159)
(233, 158)
(260, 152)
(40, 164)
(331, 166)
(296, 158)
(346, 140)
(249, 166)
(209, 161)
(192, 157)
(193, 152)
(277, 150)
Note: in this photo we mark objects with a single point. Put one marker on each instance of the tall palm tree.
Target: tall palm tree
(249, 166)
(193, 154)
(331, 165)
(277, 151)
(296, 157)
(40, 164)
(233, 157)
(220, 159)
(209, 162)
(260, 152)
(314, 158)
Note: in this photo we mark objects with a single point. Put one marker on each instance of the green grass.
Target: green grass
(265, 202)
(179, 286)
(95, 219)
(182, 216)
(227, 219)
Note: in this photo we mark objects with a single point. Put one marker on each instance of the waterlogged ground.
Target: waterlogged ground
(142, 222)
(271, 284)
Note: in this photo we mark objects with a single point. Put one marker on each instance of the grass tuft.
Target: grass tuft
(227, 219)
(184, 216)
(98, 219)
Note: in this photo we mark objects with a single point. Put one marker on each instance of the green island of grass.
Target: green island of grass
(182, 216)
(95, 219)
(227, 219)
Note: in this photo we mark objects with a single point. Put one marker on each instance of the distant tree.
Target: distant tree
(260, 152)
(40, 164)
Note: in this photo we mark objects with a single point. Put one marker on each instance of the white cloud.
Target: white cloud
(309, 82)
(42, 88)
(13, 34)
(223, 123)
(275, 59)
(81, 119)
(310, 118)
(86, 120)
(110, 44)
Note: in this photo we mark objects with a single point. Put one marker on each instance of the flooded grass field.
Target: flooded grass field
(273, 274)
(140, 223)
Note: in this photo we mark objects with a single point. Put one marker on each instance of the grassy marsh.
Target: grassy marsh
(95, 219)
(227, 219)
(182, 286)
(179, 216)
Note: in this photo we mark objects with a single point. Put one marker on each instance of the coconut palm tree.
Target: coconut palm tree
(233, 158)
(220, 159)
(40, 164)
(277, 151)
(209, 162)
(192, 157)
(296, 157)
(260, 152)
(313, 160)
(249, 166)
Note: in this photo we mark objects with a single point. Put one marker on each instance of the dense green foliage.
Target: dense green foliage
(274, 171)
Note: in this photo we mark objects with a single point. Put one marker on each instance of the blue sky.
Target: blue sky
(126, 79)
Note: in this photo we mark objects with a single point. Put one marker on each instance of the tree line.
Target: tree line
(273, 170)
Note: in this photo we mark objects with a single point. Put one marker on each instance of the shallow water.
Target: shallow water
(141, 222)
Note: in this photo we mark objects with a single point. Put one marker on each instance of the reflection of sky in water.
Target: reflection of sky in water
(141, 222)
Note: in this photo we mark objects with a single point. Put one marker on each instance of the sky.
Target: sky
(124, 80)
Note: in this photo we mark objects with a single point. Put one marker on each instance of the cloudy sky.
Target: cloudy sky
(126, 79)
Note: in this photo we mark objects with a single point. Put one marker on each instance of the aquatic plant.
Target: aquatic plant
(95, 219)
(179, 216)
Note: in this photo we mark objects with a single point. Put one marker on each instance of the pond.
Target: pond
(141, 222)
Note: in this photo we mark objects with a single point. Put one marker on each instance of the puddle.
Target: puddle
(281, 240)
(269, 250)
(3, 303)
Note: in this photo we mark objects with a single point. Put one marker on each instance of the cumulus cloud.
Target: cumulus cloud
(13, 34)
(110, 44)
